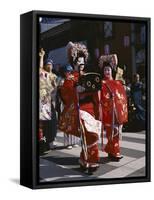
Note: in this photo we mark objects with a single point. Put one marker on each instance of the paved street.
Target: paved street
(62, 164)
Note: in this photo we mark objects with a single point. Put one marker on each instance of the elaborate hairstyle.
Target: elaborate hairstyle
(76, 50)
(111, 59)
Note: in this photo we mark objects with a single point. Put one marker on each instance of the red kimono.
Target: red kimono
(81, 109)
(115, 113)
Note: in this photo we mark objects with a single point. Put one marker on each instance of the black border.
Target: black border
(34, 163)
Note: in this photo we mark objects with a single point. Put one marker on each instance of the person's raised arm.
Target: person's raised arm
(41, 55)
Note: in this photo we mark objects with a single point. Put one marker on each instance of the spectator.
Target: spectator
(48, 87)
(137, 89)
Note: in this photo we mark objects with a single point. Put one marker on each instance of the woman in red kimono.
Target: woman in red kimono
(80, 113)
(114, 111)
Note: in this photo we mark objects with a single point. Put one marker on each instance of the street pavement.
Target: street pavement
(62, 164)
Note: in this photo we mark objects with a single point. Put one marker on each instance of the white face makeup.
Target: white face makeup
(137, 77)
(80, 61)
(81, 67)
(108, 72)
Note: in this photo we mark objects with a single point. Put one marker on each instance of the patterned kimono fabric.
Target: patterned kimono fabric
(114, 109)
(47, 114)
(87, 113)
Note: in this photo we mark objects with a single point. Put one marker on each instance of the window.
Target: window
(140, 56)
(126, 41)
(107, 29)
(107, 49)
(142, 35)
(97, 53)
